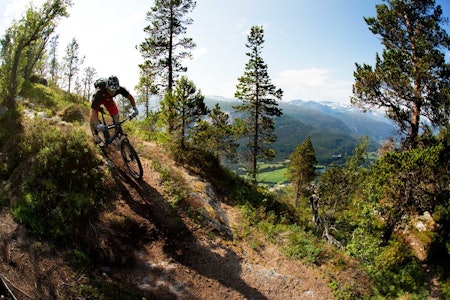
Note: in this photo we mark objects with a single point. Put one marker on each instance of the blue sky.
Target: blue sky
(311, 46)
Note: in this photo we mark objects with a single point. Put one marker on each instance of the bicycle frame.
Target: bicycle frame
(117, 126)
(128, 153)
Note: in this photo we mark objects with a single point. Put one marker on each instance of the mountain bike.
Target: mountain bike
(120, 138)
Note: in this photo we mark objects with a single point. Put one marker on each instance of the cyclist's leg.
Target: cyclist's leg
(115, 118)
(93, 126)
(112, 109)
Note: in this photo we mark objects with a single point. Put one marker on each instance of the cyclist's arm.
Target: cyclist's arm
(131, 99)
(122, 91)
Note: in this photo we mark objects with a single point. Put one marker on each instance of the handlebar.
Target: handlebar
(127, 118)
(114, 125)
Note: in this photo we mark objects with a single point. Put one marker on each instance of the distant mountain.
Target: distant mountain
(334, 129)
(371, 123)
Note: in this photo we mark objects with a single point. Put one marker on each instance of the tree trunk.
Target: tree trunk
(297, 193)
(14, 80)
(182, 132)
(314, 203)
(330, 238)
(415, 124)
(170, 71)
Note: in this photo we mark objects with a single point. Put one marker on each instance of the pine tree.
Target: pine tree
(72, 62)
(332, 203)
(259, 97)
(53, 59)
(217, 134)
(88, 81)
(412, 79)
(165, 47)
(146, 87)
(301, 167)
(182, 108)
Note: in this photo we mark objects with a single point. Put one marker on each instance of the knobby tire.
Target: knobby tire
(131, 159)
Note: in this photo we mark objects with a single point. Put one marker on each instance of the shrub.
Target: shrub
(148, 128)
(303, 246)
(73, 113)
(10, 129)
(48, 98)
(62, 184)
(396, 271)
(43, 96)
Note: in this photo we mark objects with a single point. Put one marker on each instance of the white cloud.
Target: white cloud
(241, 24)
(306, 77)
(313, 84)
(197, 53)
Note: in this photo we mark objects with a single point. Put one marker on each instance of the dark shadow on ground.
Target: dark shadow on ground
(181, 244)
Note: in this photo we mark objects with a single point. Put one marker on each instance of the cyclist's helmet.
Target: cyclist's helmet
(113, 83)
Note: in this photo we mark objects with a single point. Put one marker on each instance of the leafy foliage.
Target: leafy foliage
(303, 245)
(398, 186)
(182, 108)
(62, 185)
(146, 87)
(23, 45)
(216, 134)
(363, 209)
(412, 79)
(301, 167)
(396, 271)
(333, 194)
(72, 62)
(9, 131)
(404, 183)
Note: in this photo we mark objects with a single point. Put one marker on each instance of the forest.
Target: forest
(391, 213)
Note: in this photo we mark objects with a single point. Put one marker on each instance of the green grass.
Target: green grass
(273, 176)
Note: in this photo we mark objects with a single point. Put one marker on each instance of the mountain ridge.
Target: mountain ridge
(333, 128)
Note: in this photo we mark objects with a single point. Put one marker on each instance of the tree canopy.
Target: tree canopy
(411, 80)
(183, 107)
(259, 101)
(23, 44)
(301, 167)
(72, 62)
(165, 46)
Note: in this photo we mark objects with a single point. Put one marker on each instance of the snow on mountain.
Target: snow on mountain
(330, 107)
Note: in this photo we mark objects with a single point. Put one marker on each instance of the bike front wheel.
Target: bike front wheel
(131, 159)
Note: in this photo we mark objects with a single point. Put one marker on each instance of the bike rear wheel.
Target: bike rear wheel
(131, 159)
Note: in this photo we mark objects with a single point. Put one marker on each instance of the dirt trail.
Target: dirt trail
(162, 252)
(192, 264)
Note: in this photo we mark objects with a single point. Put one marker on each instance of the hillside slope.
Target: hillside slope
(332, 131)
(144, 244)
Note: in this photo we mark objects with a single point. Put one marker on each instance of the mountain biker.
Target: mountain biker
(106, 90)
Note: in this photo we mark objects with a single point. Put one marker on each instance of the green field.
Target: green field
(273, 177)
(272, 174)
